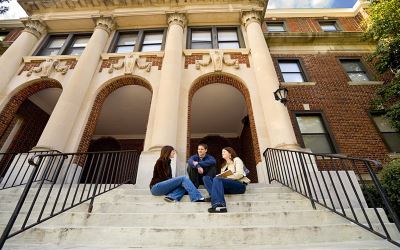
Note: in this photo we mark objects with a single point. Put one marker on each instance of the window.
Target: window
(329, 26)
(214, 38)
(389, 134)
(142, 40)
(291, 70)
(314, 133)
(3, 35)
(355, 70)
(276, 27)
(68, 44)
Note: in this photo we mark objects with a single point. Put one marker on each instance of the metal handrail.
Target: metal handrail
(71, 180)
(333, 181)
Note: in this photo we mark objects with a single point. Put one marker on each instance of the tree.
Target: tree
(3, 9)
(383, 27)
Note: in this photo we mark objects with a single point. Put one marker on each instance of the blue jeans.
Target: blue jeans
(217, 187)
(175, 188)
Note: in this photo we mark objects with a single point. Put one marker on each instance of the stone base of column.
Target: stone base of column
(295, 147)
(147, 161)
(42, 148)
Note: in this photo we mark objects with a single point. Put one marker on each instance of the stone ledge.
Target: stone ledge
(289, 84)
(365, 83)
(189, 52)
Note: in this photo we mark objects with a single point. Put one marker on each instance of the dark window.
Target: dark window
(355, 70)
(329, 26)
(214, 38)
(291, 70)
(152, 41)
(142, 40)
(276, 27)
(314, 133)
(390, 135)
(68, 44)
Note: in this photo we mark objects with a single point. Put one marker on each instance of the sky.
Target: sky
(16, 11)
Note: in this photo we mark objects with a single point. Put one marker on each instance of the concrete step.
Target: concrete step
(192, 237)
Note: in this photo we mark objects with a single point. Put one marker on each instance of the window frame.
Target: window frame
(139, 39)
(284, 25)
(332, 142)
(371, 115)
(335, 23)
(214, 35)
(70, 38)
(299, 62)
(362, 64)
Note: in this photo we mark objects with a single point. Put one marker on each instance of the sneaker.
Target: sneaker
(218, 209)
(201, 200)
(168, 199)
(207, 199)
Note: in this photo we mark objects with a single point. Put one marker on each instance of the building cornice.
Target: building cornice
(281, 38)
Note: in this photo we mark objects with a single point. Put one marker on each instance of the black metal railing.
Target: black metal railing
(336, 182)
(15, 168)
(68, 180)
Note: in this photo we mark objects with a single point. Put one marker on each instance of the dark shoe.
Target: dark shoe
(218, 209)
(168, 199)
(201, 200)
(207, 199)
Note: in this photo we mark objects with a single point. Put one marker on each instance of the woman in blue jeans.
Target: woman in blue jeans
(233, 184)
(162, 182)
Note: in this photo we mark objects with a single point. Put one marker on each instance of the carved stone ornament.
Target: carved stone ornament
(105, 23)
(129, 63)
(219, 59)
(251, 16)
(177, 18)
(35, 27)
(46, 68)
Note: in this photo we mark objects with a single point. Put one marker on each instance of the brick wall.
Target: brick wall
(345, 107)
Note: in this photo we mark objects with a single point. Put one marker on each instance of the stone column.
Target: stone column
(166, 111)
(12, 58)
(66, 111)
(277, 120)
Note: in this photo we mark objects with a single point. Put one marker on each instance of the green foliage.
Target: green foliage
(383, 27)
(3, 9)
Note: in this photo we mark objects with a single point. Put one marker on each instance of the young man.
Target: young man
(200, 165)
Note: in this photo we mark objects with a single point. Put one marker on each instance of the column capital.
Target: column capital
(34, 26)
(251, 16)
(177, 18)
(106, 23)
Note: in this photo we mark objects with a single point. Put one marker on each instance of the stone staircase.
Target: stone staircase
(266, 217)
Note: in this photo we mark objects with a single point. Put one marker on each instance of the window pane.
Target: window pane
(292, 77)
(352, 66)
(49, 52)
(127, 39)
(310, 124)
(383, 124)
(317, 143)
(201, 35)
(227, 35)
(205, 45)
(393, 141)
(277, 27)
(328, 27)
(81, 42)
(75, 51)
(56, 42)
(124, 49)
(358, 77)
(151, 47)
(289, 67)
(231, 45)
(152, 38)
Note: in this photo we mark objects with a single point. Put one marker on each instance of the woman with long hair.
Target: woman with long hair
(162, 182)
(233, 183)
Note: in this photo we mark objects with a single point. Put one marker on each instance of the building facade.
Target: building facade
(116, 75)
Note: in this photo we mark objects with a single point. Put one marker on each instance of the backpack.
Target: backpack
(245, 170)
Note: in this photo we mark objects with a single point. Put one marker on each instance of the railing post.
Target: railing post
(20, 203)
(96, 184)
(303, 167)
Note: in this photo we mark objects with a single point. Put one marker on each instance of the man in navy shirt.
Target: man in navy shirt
(201, 164)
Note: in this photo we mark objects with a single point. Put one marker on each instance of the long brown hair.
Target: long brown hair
(232, 152)
(165, 152)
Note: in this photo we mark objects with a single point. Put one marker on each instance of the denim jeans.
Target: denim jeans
(217, 187)
(175, 188)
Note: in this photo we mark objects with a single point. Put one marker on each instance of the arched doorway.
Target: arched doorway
(220, 115)
(25, 116)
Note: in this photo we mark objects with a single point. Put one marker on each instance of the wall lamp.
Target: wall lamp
(281, 95)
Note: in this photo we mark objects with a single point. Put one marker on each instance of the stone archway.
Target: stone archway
(227, 79)
(111, 86)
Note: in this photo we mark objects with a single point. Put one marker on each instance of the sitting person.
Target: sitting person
(231, 184)
(201, 164)
(162, 182)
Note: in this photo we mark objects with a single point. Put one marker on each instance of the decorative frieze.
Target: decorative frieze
(105, 23)
(35, 27)
(251, 16)
(45, 67)
(178, 19)
(130, 62)
(218, 59)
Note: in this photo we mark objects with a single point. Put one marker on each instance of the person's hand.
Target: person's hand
(200, 170)
(195, 163)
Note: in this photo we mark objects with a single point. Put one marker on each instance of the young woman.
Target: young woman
(162, 182)
(231, 184)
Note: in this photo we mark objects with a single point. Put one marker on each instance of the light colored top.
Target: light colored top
(237, 169)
